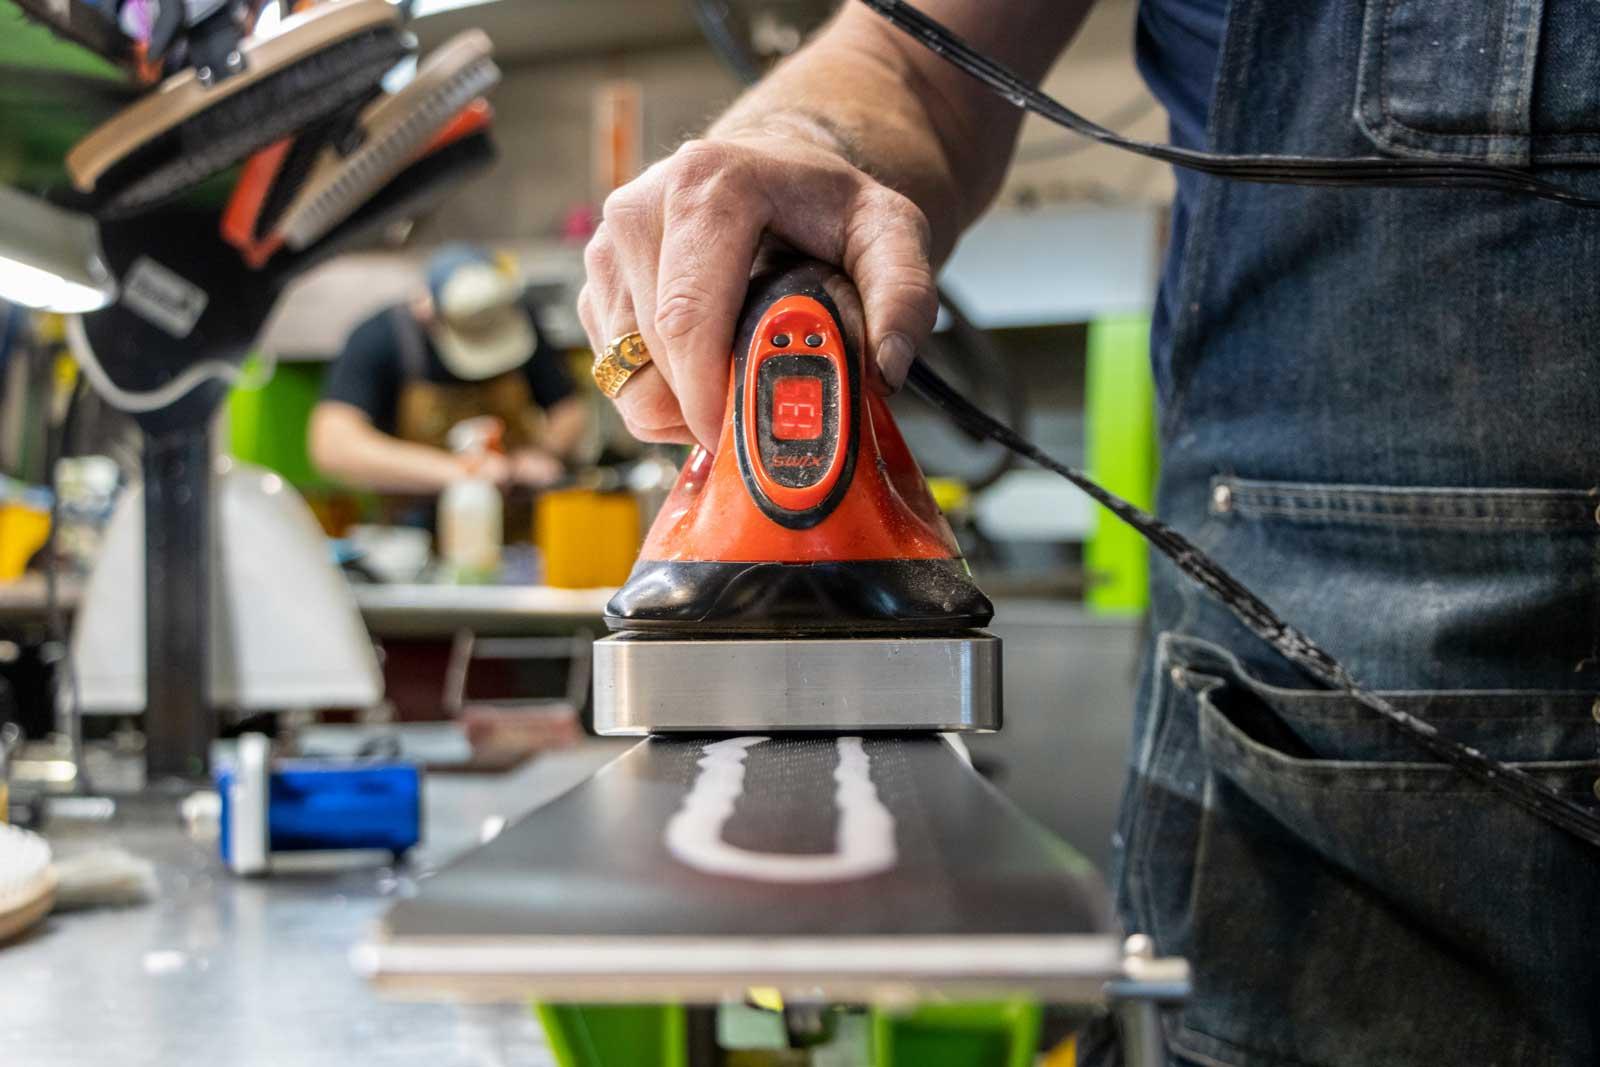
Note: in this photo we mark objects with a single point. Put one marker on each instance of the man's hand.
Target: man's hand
(847, 152)
(489, 466)
(677, 245)
(536, 469)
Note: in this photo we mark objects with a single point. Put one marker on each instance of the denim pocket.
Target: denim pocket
(1343, 901)
(1416, 507)
(1509, 81)
(1437, 587)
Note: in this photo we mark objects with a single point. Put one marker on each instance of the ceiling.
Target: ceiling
(540, 29)
(525, 30)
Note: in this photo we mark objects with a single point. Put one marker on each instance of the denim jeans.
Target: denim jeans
(1381, 410)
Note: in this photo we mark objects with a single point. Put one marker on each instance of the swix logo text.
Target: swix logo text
(797, 461)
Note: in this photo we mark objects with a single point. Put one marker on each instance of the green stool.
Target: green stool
(1001, 1033)
(616, 1035)
(979, 1034)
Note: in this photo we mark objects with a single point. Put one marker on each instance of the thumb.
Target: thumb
(886, 253)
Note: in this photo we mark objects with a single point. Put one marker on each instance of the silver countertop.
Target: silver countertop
(394, 610)
(220, 970)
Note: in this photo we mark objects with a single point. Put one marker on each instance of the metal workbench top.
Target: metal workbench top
(256, 972)
(395, 610)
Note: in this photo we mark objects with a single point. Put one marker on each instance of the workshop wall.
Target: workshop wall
(545, 121)
(544, 129)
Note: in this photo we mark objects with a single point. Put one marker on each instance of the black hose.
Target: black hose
(1513, 783)
(1281, 170)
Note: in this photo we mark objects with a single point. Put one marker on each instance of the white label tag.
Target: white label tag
(163, 298)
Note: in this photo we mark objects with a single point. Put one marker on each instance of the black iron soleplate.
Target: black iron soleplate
(858, 596)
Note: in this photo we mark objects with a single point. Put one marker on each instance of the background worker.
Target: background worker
(469, 345)
(1377, 409)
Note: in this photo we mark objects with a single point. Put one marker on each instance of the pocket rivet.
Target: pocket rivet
(1594, 709)
(1597, 516)
(1597, 788)
(1222, 497)
(1180, 677)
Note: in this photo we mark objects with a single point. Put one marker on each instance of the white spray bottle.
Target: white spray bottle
(471, 509)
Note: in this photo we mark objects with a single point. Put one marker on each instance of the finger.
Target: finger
(645, 401)
(883, 243)
(592, 326)
(713, 218)
(650, 408)
(678, 435)
(633, 220)
(847, 299)
(886, 252)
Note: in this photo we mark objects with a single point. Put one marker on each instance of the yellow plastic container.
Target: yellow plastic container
(587, 539)
(23, 530)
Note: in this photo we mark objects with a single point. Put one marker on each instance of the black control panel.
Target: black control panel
(797, 418)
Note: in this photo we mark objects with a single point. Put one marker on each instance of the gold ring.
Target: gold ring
(622, 358)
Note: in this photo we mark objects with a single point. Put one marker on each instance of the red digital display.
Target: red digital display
(797, 409)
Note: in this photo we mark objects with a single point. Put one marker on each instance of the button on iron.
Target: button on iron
(813, 340)
(780, 340)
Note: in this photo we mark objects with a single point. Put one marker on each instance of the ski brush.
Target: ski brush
(297, 191)
(390, 134)
(201, 121)
(461, 151)
(27, 881)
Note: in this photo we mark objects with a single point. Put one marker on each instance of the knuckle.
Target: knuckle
(681, 309)
(910, 292)
(701, 160)
(889, 209)
(649, 418)
(599, 256)
(624, 207)
(637, 431)
(586, 313)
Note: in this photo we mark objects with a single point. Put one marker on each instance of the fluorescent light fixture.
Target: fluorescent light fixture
(35, 288)
(50, 257)
(423, 8)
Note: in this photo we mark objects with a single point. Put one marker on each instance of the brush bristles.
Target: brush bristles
(27, 881)
(375, 163)
(281, 103)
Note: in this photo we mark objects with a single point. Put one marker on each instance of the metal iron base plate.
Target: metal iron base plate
(653, 683)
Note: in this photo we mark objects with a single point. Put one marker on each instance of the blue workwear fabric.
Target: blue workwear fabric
(1381, 410)
(1176, 47)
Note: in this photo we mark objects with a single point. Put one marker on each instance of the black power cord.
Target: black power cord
(713, 17)
(1279, 170)
(1512, 783)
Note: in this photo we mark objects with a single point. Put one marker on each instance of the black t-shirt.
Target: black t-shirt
(370, 371)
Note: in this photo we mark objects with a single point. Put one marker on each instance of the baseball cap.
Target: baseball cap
(480, 325)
